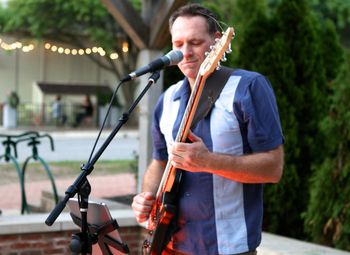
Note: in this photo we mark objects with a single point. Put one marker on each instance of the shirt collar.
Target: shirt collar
(183, 91)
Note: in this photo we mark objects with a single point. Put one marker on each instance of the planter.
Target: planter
(112, 118)
(115, 115)
(9, 117)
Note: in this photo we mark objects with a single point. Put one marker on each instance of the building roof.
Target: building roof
(73, 89)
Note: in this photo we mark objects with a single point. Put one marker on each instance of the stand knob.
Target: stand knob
(76, 245)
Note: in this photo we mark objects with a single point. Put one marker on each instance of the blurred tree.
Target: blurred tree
(81, 24)
(327, 219)
(339, 12)
(290, 46)
(336, 10)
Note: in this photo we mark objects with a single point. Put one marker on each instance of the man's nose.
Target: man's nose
(187, 51)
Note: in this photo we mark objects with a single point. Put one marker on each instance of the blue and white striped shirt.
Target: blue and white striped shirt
(218, 215)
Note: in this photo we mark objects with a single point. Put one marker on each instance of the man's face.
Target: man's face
(190, 35)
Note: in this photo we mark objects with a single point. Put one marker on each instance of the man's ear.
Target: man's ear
(217, 34)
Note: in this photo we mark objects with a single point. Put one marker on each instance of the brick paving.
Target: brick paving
(101, 187)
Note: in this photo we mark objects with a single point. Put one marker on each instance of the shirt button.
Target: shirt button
(187, 194)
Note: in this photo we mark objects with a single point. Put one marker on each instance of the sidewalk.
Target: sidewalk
(70, 132)
(77, 144)
(108, 186)
(72, 144)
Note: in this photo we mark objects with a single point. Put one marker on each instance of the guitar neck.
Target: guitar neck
(206, 68)
(169, 172)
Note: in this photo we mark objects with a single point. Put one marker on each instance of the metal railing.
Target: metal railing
(29, 114)
(10, 155)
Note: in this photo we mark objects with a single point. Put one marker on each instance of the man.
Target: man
(233, 151)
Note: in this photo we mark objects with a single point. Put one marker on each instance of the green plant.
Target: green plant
(13, 99)
(327, 218)
(291, 47)
(104, 98)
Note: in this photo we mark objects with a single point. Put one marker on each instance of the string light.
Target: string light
(16, 45)
(125, 47)
(63, 50)
(60, 50)
(114, 55)
(54, 48)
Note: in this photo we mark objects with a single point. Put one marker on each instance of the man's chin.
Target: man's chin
(190, 73)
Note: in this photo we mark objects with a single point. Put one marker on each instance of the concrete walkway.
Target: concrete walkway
(101, 187)
(76, 144)
(278, 245)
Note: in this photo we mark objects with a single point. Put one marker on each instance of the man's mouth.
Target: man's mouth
(189, 63)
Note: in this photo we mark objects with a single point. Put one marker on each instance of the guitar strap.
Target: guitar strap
(212, 89)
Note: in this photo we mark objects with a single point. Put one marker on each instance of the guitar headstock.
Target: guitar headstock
(217, 52)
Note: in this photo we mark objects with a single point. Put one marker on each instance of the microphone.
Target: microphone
(172, 58)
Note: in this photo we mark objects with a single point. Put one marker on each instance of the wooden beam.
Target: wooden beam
(130, 21)
(159, 34)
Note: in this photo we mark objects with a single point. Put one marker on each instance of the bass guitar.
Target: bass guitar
(164, 209)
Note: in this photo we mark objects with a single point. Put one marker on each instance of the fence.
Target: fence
(29, 114)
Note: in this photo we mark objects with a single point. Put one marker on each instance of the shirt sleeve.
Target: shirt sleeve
(260, 116)
(159, 144)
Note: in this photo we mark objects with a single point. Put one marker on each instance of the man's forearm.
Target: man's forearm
(266, 167)
(153, 175)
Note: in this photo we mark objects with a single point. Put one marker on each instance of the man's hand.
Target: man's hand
(190, 156)
(142, 204)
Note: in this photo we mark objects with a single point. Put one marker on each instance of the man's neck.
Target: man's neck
(191, 82)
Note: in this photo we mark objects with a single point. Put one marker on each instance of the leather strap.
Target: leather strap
(212, 89)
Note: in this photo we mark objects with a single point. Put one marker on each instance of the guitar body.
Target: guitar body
(166, 217)
(163, 217)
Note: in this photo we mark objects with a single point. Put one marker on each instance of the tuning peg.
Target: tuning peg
(211, 47)
(223, 58)
(206, 53)
(229, 50)
(218, 66)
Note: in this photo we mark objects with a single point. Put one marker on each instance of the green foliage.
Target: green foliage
(289, 47)
(104, 98)
(337, 10)
(237, 14)
(13, 99)
(327, 219)
(69, 21)
(81, 24)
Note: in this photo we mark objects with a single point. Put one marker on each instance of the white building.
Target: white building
(25, 63)
(45, 63)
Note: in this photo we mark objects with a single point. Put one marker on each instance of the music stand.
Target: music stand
(102, 228)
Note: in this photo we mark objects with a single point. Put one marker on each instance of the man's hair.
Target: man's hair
(192, 10)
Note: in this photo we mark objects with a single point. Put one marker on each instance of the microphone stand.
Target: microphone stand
(81, 184)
